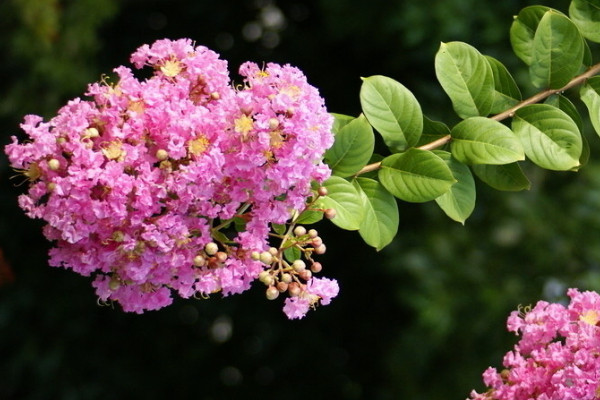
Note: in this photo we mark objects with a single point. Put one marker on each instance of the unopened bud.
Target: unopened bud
(114, 283)
(53, 164)
(215, 96)
(316, 267)
(272, 293)
(316, 242)
(320, 249)
(199, 261)
(305, 274)
(294, 289)
(330, 213)
(266, 258)
(313, 233)
(211, 248)
(255, 255)
(51, 186)
(299, 265)
(91, 132)
(266, 278)
(282, 287)
(161, 154)
(287, 278)
(322, 191)
(273, 123)
(299, 231)
(221, 256)
(273, 251)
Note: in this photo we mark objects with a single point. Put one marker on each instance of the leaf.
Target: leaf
(506, 92)
(292, 254)
(375, 158)
(590, 95)
(466, 77)
(523, 30)
(557, 51)
(566, 105)
(480, 140)
(432, 130)
(339, 121)
(279, 228)
(549, 136)
(508, 177)
(459, 202)
(346, 201)
(380, 224)
(309, 217)
(353, 146)
(415, 176)
(393, 110)
(586, 15)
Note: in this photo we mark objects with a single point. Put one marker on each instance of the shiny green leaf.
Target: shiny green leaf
(480, 140)
(590, 95)
(557, 51)
(392, 110)
(346, 201)
(459, 202)
(416, 175)
(380, 224)
(549, 136)
(506, 92)
(466, 77)
(432, 130)
(352, 148)
(586, 15)
(523, 30)
(508, 177)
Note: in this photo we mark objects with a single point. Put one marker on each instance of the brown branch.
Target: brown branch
(578, 80)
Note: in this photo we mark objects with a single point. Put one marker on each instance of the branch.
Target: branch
(578, 80)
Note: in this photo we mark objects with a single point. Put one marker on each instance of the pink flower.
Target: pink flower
(134, 182)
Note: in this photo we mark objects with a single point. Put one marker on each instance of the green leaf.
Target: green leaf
(508, 177)
(557, 51)
(523, 30)
(292, 254)
(590, 95)
(466, 77)
(309, 217)
(393, 110)
(432, 130)
(339, 121)
(586, 15)
(480, 140)
(459, 202)
(549, 136)
(380, 223)
(506, 93)
(346, 201)
(353, 146)
(375, 158)
(563, 103)
(415, 176)
(279, 228)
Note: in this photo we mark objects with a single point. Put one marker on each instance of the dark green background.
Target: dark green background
(420, 320)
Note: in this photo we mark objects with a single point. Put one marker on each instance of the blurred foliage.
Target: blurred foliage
(420, 320)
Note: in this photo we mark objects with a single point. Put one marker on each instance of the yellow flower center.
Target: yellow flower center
(590, 317)
(171, 68)
(114, 151)
(198, 146)
(243, 125)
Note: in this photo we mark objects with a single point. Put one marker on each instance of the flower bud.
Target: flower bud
(317, 241)
(320, 249)
(294, 289)
(305, 274)
(114, 283)
(199, 261)
(272, 293)
(282, 287)
(273, 123)
(211, 248)
(299, 231)
(330, 213)
(273, 251)
(91, 132)
(287, 278)
(53, 164)
(322, 191)
(313, 233)
(266, 278)
(316, 267)
(266, 258)
(161, 154)
(255, 255)
(215, 96)
(299, 265)
(221, 256)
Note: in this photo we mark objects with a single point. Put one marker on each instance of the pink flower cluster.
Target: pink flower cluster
(171, 183)
(558, 356)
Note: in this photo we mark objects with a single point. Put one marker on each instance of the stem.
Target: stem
(578, 80)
